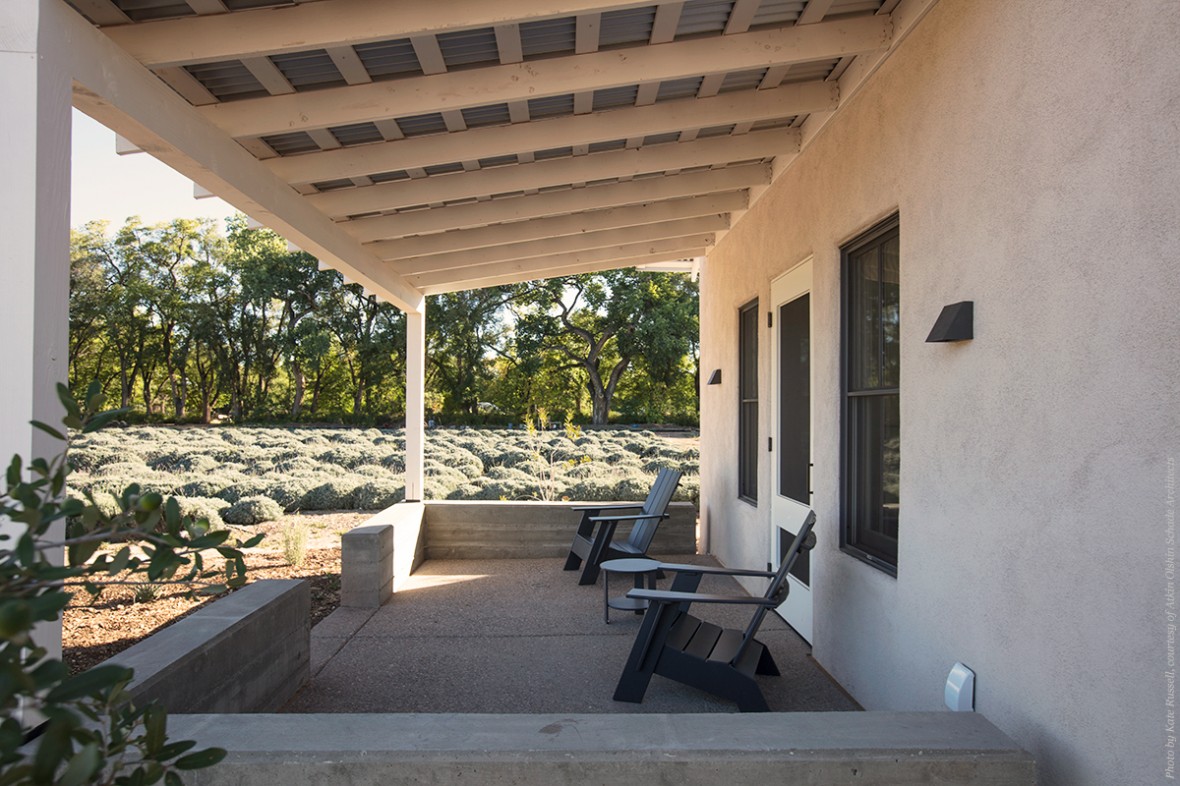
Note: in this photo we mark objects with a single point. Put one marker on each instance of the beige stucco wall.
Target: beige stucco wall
(1032, 149)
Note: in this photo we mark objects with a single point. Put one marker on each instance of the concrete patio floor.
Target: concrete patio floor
(521, 636)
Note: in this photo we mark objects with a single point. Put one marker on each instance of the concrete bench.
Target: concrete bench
(247, 652)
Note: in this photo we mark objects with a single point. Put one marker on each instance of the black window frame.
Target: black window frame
(856, 538)
(747, 394)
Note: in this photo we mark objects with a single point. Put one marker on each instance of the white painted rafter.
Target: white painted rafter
(508, 44)
(186, 85)
(556, 172)
(667, 19)
(349, 65)
(638, 194)
(491, 141)
(559, 226)
(814, 11)
(548, 77)
(268, 75)
(741, 16)
(549, 267)
(328, 23)
(565, 244)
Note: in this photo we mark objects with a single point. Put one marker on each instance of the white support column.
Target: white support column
(34, 223)
(415, 402)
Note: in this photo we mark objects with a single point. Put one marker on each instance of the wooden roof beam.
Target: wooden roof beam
(492, 141)
(566, 244)
(548, 77)
(547, 267)
(559, 226)
(638, 194)
(556, 172)
(326, 24)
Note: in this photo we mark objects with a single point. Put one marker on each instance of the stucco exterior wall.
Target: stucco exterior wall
(1032, 150)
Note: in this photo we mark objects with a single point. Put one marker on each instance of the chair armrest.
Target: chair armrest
(667, 596)
(631, 517)
(608, 507)
(712, 571)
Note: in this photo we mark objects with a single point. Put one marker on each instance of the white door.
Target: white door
(791, 436)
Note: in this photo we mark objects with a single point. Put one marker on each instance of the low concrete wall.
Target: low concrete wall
(248, 652)
(405, 519)
(496, 530)
(366, 558)
(819, 749)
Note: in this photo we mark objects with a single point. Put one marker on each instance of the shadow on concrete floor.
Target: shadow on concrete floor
(520, 635)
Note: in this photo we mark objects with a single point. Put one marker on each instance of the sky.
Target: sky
(113, 187)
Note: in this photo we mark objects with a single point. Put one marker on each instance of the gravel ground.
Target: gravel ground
(94, 630)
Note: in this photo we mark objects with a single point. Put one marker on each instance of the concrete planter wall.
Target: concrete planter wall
(248, 652)
(497, 530)
(376, 557)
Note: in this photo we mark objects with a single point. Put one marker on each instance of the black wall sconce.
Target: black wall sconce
(955, 323)
(715, 377)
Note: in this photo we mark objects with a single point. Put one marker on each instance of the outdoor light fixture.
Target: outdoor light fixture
(715, 377)
(954, 323)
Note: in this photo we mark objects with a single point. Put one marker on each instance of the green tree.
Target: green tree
(372, 339)
(600, 323)
(464, 332)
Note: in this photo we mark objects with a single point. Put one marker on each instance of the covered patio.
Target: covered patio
(1017, 158)
(521, 636)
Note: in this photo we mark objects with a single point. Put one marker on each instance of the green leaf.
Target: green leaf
(26, 550)
(102, 420)
(15, 470)
(88, 683)
(172, 779)
(81, 552)
(52, 749)
(68, 401)
(81, 767)
(120, 561)
(200, 759)
(174, 749)
(48, 430)
(155, 719)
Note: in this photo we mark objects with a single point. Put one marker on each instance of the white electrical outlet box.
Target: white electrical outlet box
(960, 689)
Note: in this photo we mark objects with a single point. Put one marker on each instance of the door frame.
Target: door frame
(795, 282)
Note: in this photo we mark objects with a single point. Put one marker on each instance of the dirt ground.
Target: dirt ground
(94, 630)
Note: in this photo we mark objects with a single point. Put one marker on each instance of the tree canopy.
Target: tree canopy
(182, 323)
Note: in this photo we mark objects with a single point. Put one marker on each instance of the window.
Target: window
(871, 443)
(748, 403)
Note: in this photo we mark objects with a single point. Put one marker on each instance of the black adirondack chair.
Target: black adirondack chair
(594, 540)
(675, 644)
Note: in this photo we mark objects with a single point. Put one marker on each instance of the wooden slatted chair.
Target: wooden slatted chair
(675, 644)
(594, 540)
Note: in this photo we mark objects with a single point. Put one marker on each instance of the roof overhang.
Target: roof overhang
(423, 147)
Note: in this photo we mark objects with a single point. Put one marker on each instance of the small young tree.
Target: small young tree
(83, 729)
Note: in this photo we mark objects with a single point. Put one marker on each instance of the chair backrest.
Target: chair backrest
(804, 539)
(657, 502)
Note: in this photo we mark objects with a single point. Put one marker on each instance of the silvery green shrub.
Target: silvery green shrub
(335, 494)
(288, 493)
(207, 485)
(208, 508)
(252, 510)
(591, 490)
(378, 494)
